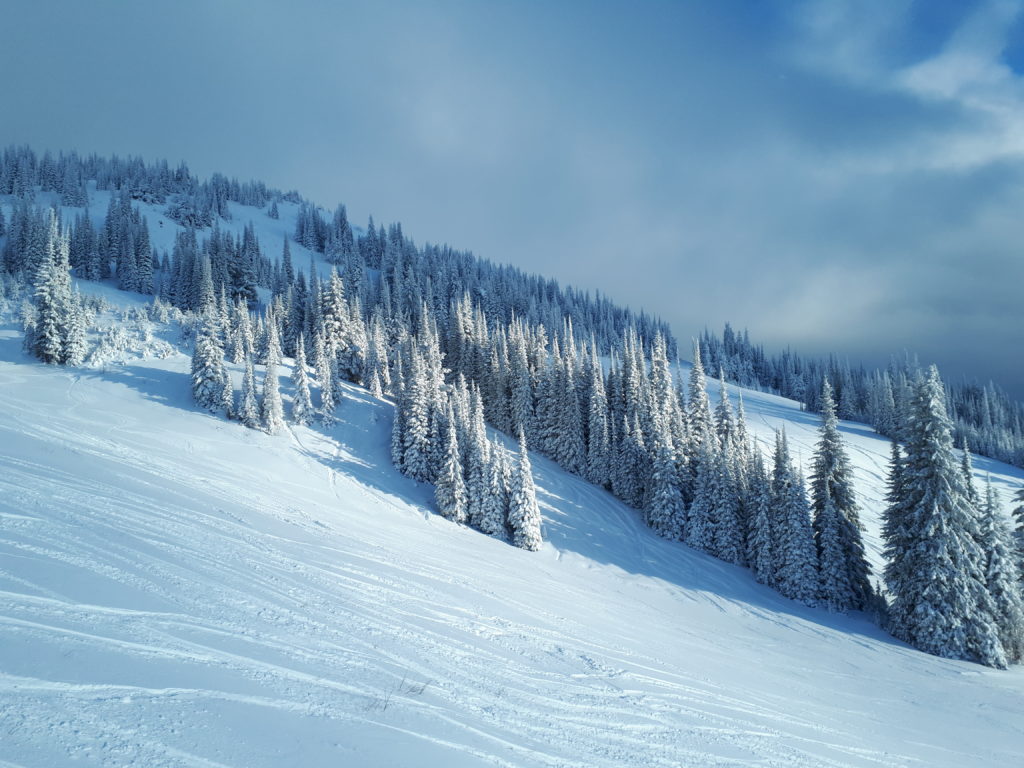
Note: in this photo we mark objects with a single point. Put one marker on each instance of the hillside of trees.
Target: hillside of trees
(459, 343)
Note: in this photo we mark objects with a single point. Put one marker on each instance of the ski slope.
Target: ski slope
(176, 590)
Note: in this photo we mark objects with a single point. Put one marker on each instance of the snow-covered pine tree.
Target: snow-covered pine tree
(416, 421)
(249, 411)
(494, 512)
(450, 485)
(51, 296)
(895, 534)
(273, 355)
(836, 591)
(700, 519)
(665, 511)
(598, 438)
(205, 295)
(546, 412)
(398, 421)
(628, 471)
(796, 560)
(940, 600)
(302, 402)
(1002, 577)
(760, 536)
(524, 514)
(569, 448)
(700, 427)
(478, 461)
(227, 396)
(699, 416)
(208, 371)
(75, 345)
(728, 530)
(521, 402)
(143, 259)
(832, 481)
(440, 425)
(725, 425)
(271, 409)
(967, 468)
(323, 377)
(243, 330)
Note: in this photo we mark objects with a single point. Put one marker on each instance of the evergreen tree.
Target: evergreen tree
(760, 538)
(700, 428)
(569, 448)
(143, 259)
(1002, 577)
(398, 419)
(478, 461)
(51, 296)
(599, 440)
(302, 402)
(524, 514)
(700, 422)
(450, 487)
(973, 497)
(666, 512)
(628, 470)
(796, 561)
(271, 409)
(416, 419)
(227, 397)
(836, 591)
(941, 602)
(832, 482)
(725, 426)
(494, 513)
(895, 534)
(700, 521)
(75, 345)
(521, 402)
(208, 371)
(249, 412)
(728, 531)
(324, 377)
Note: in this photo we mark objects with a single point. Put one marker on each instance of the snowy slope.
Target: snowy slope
(178, 590)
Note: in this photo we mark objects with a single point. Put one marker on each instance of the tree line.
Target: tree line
(983, 416)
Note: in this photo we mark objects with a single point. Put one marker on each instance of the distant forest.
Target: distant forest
(985, 418)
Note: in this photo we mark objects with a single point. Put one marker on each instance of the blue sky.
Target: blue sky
(836, 176)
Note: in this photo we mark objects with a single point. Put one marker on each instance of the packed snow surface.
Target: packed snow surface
(177, 590)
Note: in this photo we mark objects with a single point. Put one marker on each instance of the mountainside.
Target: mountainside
(176, 589)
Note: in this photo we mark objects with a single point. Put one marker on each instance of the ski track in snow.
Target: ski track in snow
(176, 590)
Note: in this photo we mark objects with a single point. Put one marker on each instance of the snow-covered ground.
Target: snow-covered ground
(178, 590)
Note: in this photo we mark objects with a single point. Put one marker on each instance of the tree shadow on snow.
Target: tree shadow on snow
(579, 518)
(585, 520)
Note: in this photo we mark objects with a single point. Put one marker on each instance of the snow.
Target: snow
(177, 590)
